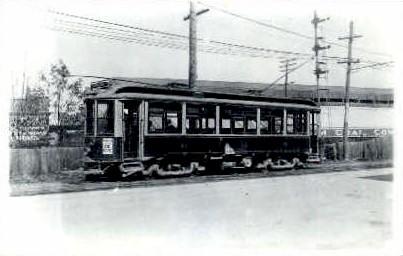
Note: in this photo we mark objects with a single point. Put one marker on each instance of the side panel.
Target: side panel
(107, 149)
(198, 147)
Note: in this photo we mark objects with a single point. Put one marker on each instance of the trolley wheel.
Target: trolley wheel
(247, 162)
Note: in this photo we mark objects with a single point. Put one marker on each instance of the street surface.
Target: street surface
(329, 211)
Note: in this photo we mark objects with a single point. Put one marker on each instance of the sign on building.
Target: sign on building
(29, 122)
(357, 132)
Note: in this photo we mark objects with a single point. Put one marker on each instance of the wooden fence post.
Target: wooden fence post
(44, 161)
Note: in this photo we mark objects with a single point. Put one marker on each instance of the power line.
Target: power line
(176, 36)
(117, 38)
(257, 22)
(116, 24)
(226, 50)
(170, 36)
(116, 29)
(163, 44)
(175, 43)
(373, 65)
(289, 31)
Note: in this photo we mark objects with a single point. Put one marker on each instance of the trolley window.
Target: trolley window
(172, 122)
(164, 117)
(155, 120)
(271, 121)
(238, 120)
(105, 118)
(90, 114)
(290, 123)
(200, 119)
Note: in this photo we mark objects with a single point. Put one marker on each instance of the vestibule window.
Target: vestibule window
(164, 117)
(105, 118)
(314, 125)
(90, 117)
(296, 122)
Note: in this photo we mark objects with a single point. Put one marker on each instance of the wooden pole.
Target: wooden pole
(347, 93)
(192, 46)
(347, 96)
(286, 79)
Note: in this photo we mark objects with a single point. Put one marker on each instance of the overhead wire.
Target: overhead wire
(164, 39)
(116, 24)
(382, 64)
(173, 35)
(284, 30)
(164, 44)
(78, 27)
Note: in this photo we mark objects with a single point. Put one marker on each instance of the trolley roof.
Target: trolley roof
(123, 88)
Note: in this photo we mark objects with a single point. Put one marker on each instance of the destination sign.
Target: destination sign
(357, 132)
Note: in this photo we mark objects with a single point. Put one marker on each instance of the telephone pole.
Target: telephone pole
(318, 70)
(317, 48)
(287, 64)
(193, 43)
(349, 61)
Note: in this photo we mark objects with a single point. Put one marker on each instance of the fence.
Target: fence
(36, 163)
(44, 162)
(374, 149)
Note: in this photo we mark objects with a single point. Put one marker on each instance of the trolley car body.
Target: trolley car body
(131, 128)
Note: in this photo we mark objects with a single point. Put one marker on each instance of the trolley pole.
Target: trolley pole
(193, 43)
(349, 61)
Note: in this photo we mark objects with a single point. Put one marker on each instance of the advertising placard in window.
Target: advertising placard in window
(107, 146)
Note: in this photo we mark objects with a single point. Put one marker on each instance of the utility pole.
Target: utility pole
(193, 43)
(317, 48)
(349, 61)
(285, 67)
(318, 69)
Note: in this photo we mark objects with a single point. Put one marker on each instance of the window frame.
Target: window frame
(236, 114)
(164, 110)
(199, 116)
(274, 118)
(299, 122)
(90, 118)
(109, 118)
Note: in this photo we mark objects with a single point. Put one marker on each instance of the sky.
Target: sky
(29, 46)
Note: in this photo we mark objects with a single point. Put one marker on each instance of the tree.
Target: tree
(65, 95)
